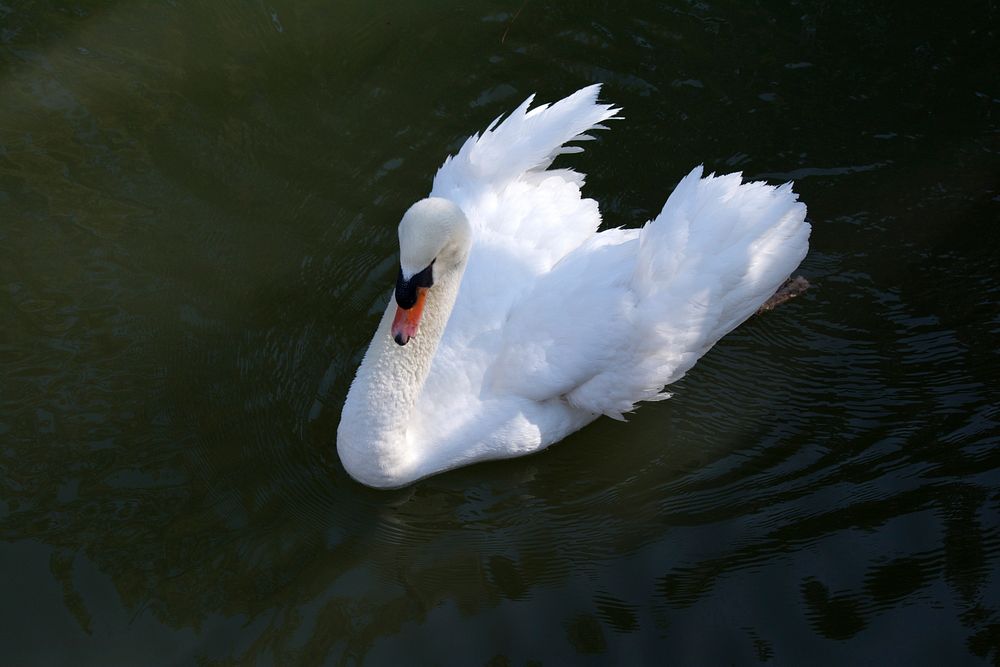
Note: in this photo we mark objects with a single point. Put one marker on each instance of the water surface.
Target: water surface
(198, 205)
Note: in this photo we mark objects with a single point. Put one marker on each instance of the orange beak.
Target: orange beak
(404, 325)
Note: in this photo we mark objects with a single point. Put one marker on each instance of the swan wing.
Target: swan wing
(524, 216)
(570, 325)
(501, 180)
(628, 313)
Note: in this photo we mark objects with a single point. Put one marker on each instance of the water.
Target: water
(197, 232)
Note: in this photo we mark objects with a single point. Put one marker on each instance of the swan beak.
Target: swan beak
(404, 325)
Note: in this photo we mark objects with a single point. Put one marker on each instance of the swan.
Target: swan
(515, 322)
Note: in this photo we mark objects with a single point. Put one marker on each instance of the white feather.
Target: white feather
(554, 323)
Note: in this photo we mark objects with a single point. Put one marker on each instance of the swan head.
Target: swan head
(434, 240)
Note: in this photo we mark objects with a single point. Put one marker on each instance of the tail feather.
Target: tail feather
(714, 254)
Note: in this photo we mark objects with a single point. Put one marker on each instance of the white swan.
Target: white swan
(517, 323)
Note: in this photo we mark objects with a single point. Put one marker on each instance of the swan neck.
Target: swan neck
(372, 437)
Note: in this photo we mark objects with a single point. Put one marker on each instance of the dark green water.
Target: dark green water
(198, 205)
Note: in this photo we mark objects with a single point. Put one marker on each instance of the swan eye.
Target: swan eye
(406, 290)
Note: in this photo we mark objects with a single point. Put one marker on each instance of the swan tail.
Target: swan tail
(526, 140)
(715, 253)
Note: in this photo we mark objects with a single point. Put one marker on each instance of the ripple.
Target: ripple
(199, 236)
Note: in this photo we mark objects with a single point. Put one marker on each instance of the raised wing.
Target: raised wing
(524, 216)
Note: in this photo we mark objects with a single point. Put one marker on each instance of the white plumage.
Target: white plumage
(537, 323)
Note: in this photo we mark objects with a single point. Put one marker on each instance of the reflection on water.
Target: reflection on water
(197, 234)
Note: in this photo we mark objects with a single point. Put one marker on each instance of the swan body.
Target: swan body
(516, 322)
